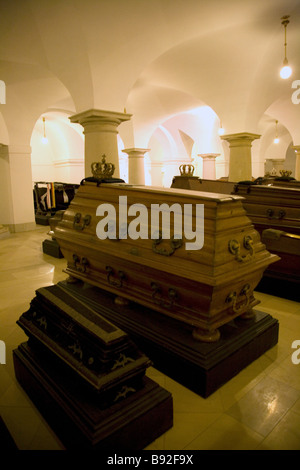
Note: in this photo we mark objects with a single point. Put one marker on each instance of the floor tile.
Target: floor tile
(185, 400)
(226, 433)
(287, 372)
(285, 436)
(187, 427)
(263, 406)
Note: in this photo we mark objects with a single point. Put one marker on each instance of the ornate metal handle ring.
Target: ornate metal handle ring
(235, 249)
(156, 296)
(116, 283)
(175, 243)
(233, 297)
(271, 212)
(85, 222)
(81, 264)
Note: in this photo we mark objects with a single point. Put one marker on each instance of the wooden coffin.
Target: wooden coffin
(199, 184)
(203, 288)
(87, 377)
(99, 352)
(273, 205)
(275, 212)
(276, 207)
(287, 246)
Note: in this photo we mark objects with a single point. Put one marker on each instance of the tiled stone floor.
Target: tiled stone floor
(257, 409)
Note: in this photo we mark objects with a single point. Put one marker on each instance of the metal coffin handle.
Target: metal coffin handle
(157, 297)
(116, 281)
(234, 248)
(233, 297)
(78, 225)
(80, 264)
(175, 243)
(271, 214)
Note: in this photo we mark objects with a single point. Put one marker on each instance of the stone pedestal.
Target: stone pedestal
(209, 165)
(100, 130)
(276, 165)
(240, 168)
(136, 165)
(297, 166)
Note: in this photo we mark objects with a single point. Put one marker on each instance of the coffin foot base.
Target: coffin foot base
(249, 315)
(206, 336)
(121, 300)
(72, 280)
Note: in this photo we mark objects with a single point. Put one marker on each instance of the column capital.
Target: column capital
(136, 152)
(297, 148)
(244, 139)
(92, 119)
(276, 160)
(209, 156)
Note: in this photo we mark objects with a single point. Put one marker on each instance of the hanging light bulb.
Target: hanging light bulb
(276, 140)
(44, 138)
(286, 70)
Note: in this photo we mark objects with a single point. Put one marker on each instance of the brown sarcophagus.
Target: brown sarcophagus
(275, 213)
(87, 377)
(276, 207)
(203, 282)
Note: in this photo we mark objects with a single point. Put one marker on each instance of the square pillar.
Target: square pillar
(277, 165)
(136, 165)
(240, 165)
(209, 165)
(100, 131)
(297, 165)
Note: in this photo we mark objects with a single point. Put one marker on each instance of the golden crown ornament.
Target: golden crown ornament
(102, 170)
(186, 170)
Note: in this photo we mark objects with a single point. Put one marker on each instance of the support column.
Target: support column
(297, 165)
(136, 165)
(240, 166)
(16, 188)
(100, 130)
(209, 165)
